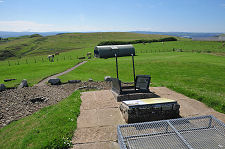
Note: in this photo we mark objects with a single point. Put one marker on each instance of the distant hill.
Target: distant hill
(39, 45)
(4, 34)
(181, 34)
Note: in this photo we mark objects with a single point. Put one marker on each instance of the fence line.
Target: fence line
(39, 60)
(63, 58)
(178, 50)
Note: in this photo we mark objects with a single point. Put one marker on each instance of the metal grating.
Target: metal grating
(184, 133)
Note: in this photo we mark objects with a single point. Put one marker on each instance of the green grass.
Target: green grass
(71, 46)
(200, 76)
(26, 68)
(186, 46)
(66, 42)
(51, 127)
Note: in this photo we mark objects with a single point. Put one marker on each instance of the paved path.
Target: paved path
(98, 120)
(99, 116)
(41, 83)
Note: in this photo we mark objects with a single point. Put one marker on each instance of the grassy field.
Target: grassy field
(65, 42)
(186, 46)
(51, 127)
(34, 68)
(200, 76)
(34, 65)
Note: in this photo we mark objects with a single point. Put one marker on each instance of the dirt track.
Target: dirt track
(41, 83)
(99, 116)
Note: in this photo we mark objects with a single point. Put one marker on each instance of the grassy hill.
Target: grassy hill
(39, 45)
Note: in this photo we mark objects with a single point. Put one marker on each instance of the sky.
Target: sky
(112, 15)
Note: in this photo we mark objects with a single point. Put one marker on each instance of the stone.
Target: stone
(108, 78)
(54, 81)
(90, 80)
(74, 81)
(23, 84)
(7, 80)
(2, 87)
(1, 116)
(38, 99)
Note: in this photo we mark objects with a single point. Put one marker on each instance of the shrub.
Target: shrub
(136, 41)
(6, 54)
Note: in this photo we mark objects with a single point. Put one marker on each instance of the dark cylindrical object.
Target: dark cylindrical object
(110, 51)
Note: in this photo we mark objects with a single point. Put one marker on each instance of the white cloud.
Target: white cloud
(28, 26)
(1, 1)
(21, 26)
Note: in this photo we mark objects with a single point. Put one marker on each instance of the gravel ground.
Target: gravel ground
(18, 103)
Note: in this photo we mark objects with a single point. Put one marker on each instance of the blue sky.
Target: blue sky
(112, 15)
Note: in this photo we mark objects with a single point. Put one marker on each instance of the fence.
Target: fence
(39, 60)
(186, 133)
(178, 50)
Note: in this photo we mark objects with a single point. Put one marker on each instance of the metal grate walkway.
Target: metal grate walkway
(185, 133)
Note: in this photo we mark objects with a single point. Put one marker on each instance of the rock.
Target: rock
(1, 116)
(54, 81)
(74, 81)
(90, 80)
(38, 99)
(23, 84)
(2, 87)
(7, 80)
(108, 78)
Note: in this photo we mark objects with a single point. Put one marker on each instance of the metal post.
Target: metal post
(134, 72)
(117, 67)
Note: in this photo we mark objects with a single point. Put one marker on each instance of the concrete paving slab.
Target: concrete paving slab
(167, 93)
(110, 117)
(95, 134)
(87, 118)
(98, 100)
(98, 145)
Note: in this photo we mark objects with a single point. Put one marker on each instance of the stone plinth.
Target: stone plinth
(151, 109)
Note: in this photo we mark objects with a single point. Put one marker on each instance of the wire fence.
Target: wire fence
(178, 50)
(34, 60)
(39, 60)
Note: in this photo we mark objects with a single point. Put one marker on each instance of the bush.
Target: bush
(136, 41)
(6, 54)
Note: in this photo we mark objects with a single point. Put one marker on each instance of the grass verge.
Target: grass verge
(196, 75)
(51, 127)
